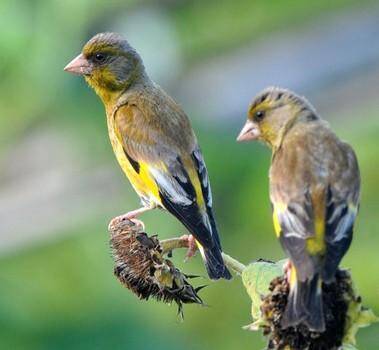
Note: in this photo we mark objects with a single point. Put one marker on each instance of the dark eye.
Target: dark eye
(259, 115)
(100, 57)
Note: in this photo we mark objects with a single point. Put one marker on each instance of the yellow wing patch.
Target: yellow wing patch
(194, 178)
(279, 207)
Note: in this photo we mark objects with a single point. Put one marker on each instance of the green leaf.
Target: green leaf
(357, 317)
(257, 278)
(349, 347)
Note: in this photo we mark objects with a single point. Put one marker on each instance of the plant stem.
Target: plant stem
(175, 243)
(234, 264)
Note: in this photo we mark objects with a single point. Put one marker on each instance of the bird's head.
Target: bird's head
(271, 113)
(108, 63)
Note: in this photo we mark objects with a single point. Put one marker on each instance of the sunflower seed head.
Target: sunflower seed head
(141, 267)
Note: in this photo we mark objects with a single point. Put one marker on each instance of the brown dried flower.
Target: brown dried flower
(336, 299)
(142, 268)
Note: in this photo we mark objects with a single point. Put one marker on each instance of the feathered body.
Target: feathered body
(314, 191)
(154, 143)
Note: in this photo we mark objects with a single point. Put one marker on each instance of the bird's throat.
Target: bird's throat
(107, 96)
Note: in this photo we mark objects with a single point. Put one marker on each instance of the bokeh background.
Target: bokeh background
(60, 184)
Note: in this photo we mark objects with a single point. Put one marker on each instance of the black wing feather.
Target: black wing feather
(188, 214)
(337, 242)
(206, 190)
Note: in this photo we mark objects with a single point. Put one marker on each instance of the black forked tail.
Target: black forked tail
(304, 305)
(207, 236)
(214, 264)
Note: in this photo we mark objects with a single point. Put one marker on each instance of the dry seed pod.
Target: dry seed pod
(142, 268)
(336, 299)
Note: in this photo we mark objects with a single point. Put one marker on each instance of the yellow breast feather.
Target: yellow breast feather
(142, 181)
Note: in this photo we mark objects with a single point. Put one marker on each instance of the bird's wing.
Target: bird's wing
(314, 218)
(341, 210)
(294, 224)
(169, 155)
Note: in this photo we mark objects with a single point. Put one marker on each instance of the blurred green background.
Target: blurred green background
(60, 184)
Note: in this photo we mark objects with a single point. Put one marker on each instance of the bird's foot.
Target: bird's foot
(192, 247)
(287, 270)
(123, 222)
(132, 216)
(134, 213)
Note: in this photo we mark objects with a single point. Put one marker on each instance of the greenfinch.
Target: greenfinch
(314, 191)
(153, 141)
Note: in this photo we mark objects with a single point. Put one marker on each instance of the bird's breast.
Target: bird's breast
(140, 178)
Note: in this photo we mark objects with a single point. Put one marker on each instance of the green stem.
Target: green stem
(175, 243)
(234, 264)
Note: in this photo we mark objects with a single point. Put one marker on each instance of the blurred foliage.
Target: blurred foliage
(206, 28)
(62, 295)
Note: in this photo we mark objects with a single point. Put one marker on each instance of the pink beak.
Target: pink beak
(249, 132)
(79, 65)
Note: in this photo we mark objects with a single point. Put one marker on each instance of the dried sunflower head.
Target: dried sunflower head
(141, 267)
(337, 297)
(344, 312)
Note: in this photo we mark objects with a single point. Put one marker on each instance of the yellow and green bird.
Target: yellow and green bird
(314, 191)
(153, 141)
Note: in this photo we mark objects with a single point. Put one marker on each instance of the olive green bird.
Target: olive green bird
(153, 142)
(314, 191)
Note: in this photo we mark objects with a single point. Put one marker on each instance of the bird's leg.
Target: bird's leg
(287, 270)
(132, 215)
(192, 247)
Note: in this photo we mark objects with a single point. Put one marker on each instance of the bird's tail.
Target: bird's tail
(214, 263)
(304, 305)
(203, 227)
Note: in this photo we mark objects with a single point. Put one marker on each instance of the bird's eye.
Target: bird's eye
(100, 57)
(259, 115)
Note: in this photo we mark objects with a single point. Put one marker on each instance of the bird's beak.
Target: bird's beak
(249, 132)
(79, 65)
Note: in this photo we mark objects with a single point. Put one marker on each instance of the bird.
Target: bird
(154, 143)
(314, 185)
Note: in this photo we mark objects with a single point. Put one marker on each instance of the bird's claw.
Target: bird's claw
(192, 247)
(126, 220)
